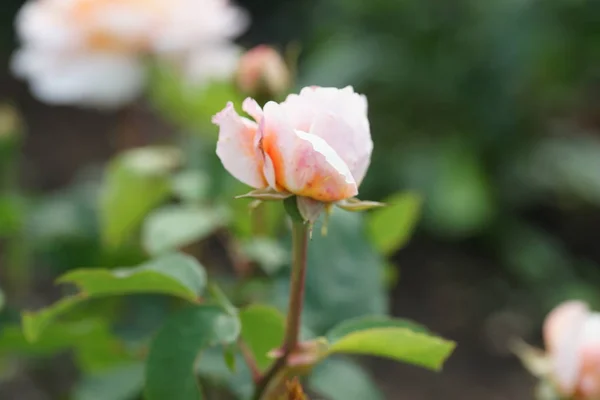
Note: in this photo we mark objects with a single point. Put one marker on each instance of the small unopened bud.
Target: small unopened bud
(263, 72)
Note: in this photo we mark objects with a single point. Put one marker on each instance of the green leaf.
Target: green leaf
(369, 322)
(389, 228)
(95, 347)
(34, 323)
(12, 213)
(340, 379)
(187, 104)
(191, 186)
(390, 338)
(263, 328)
(263, 220)
(270, 255)
(122, 383)
(173, 227)
(58, 337)
(135, 183)
(229, 356)
(219, 297)
(174, 350)
(213, 368)
(174, 274)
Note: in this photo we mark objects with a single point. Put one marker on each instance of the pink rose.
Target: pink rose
(316, 145)
(572, 337)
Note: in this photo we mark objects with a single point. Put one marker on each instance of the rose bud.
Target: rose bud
(315, 145)
(262, 72)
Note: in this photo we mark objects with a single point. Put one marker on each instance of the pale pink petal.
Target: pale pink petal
(590, 354)
(310, 209)
(304, 164)
(562, 332)
(251, 107)
(237, 149)
(354, 150)
(339, 116)
(314, 99)
(591, 331)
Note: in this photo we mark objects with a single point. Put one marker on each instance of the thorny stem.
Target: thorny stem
(300, 232)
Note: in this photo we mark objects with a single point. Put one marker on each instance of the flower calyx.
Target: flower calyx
(267, 194)
(356, 205)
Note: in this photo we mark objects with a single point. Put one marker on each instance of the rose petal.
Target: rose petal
(562, 333)
(339, 116)
(355, 150)
(590, 354)
(237, 147)
(251, 107)
(303, 164)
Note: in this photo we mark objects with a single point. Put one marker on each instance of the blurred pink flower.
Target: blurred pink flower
(92, 52)
(262, 69)
(572, 337)
(316, 145)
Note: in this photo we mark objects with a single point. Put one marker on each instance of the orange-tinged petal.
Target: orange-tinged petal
(339, 116)
(237, 147)
(302, 163)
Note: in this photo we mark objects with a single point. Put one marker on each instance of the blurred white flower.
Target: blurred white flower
(92, 52)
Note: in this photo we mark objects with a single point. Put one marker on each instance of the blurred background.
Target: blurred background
(489, 109)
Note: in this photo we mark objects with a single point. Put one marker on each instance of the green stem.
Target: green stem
(297, 280)
(300, 232)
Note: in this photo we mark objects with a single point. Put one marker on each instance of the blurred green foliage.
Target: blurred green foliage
(488, 110)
